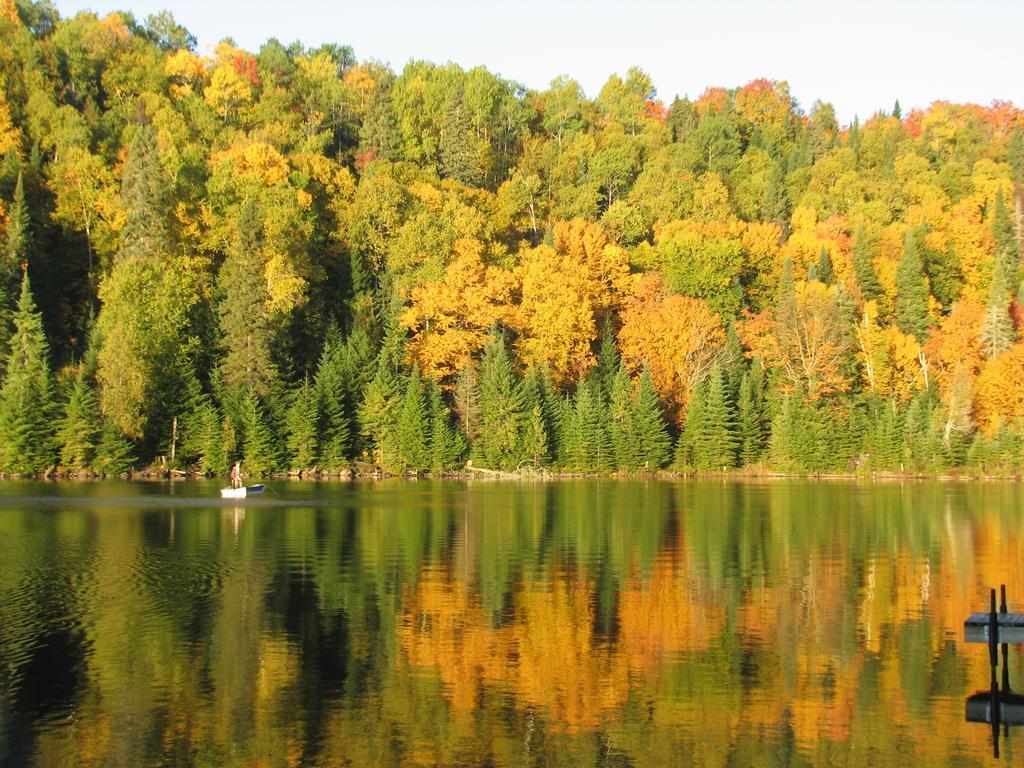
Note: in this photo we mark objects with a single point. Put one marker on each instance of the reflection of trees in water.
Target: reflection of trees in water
(712, 622)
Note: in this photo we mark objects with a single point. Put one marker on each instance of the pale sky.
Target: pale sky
(860, 56)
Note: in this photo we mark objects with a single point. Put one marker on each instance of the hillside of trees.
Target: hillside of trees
(318, 264)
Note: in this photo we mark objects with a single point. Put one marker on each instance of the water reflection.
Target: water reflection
(578, 623)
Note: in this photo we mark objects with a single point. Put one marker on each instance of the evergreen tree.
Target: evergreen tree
(114, 454)
(897, 112)
(26, 396)
(78, 431)
(653, 445)
(590, 449)
(886, 436)
(1007, 251)
(788, 442)
(244, 319)
(16, 245)
(823, 271)
(997, 332)
(412, 430)
(259, 452)
(331, 389)
(716, 446)
(378, 411)
(447, 446)
(608, 359)
(732, 361)
(750, 419)
(535, 432)
(911, 290)
(864, 267)
(774, 201)
(301, 425)
(203, 437)
(693, 429)
(502, 410)
(1015, 154)
(622, 423)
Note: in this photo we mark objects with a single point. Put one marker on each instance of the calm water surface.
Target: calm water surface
(445, 623)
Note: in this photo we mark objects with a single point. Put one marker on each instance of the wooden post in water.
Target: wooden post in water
(993, 633)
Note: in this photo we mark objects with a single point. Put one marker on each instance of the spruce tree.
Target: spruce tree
(78, 431)
(864, 266)
(823, 271)
(16, 244)
(203, 437)
(378, 410)
(501, 410)
(447, 445)
(911, 290)
(787, 442)
(590, 449)
(259, 451)
(750, 417)
(716, 447)
(412, 429)
(653, 445)
(1007, 251)
(467, 401)
(244, 318)
(331, 389)
(997, 332)
(774, 199)
(26, 396)
(622, 422)
(114, 454)
(301, 425)
(693, 429)
(608, 359)
(535, 432)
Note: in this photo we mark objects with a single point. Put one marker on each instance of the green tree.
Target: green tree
(26, 396)
(715, 447)
(1007, 251)
(259, 449)
(79, 430)
(864, 266)
(997, 332)
(301, 425)
(412, 429)
(447, 445)
(911, 290)
(535, 430)
(333, 388)
(243, 309)
(750, 418)
(502, 410)
(653, 445)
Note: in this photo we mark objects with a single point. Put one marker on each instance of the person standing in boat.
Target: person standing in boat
(236, 475)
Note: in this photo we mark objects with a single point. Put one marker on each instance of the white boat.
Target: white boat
(241, 493)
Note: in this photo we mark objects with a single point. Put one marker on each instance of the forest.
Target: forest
(320, 265)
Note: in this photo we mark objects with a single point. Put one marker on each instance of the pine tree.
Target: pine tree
(331, 389)
(823, 271)
(447, 445)
(114, 454)
(590, 448)
(203, 437)
(301, 425)
(16, 245)
(750, 418)
(535, 433)
(259, 452)
(378, 410)
(774, 201)
(412, 430)
(501, 410)
(26, 397)
(622, 422)
(897, 112)
(693, 429)
(911, 290)
(997, 332)
(1007, 251)
(732, 361)
(716, 447)
(78, 431)
(788, 442)
(1015, 154)
(608, 359)
(864, 267)
(654, 447)
(244, 319)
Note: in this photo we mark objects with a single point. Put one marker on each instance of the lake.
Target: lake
(584, 622)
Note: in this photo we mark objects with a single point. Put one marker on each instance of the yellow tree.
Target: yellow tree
(677, 337)
(1000, 398)
(891, 359)
(555, 315)
(806, 335)
(449, 319)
